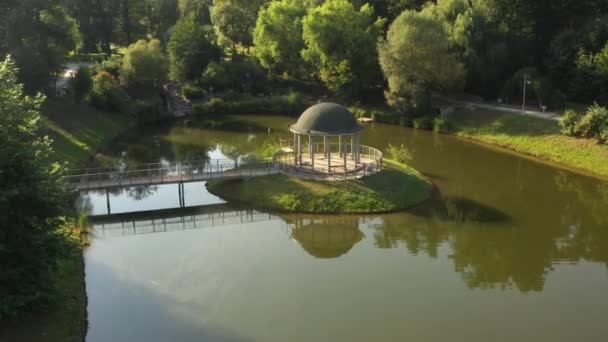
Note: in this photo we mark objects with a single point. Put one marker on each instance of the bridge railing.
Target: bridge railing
(164, 172)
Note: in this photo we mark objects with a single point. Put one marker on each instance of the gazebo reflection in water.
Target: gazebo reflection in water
(327, 143)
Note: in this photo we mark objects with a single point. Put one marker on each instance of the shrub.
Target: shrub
(400, 153)
(441, 124)
(81, 83)
(292, 103)
(192, 92)
(569, 122)
(593, 122)
(603, 137)
(423, 122)
(106, 94)
(111, 65)
(144, 63)
(241, 75)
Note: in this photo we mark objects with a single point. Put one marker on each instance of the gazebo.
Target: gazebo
(327, 140)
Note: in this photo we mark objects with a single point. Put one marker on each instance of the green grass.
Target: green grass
(536, 137)
(394, 188)
(79, 130)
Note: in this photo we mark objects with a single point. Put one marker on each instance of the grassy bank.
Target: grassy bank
(395, 188)
(79, 130)
(536, 137)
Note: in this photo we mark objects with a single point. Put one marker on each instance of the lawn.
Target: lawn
(79, 130)
(536, 137)
(394, 188)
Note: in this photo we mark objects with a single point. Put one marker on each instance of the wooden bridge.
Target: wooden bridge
(165, 173)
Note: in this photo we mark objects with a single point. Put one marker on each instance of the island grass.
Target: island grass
(396, 187)
(79, 130)
(536, 137)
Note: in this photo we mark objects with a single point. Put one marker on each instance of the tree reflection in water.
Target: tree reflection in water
(325, 237)
(489, 250)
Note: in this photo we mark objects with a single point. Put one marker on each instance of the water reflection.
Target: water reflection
(459, 209)
(326, 236)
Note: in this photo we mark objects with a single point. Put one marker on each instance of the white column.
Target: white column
(344, 156)
(299, 149)
(340, 145)
(352, 147)
(309, 146)
(295, 148)
(312, 153)
(328, 154)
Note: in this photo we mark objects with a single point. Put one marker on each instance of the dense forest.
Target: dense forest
(412, 49)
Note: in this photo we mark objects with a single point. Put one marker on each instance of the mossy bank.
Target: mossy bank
(396, 187)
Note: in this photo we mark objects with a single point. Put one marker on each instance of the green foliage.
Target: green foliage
(40, 34)
(107, 95)
(111, 65)
(291, 104)
(32, 233)
(242, 75)
(192, 92)
(190, 49)
(416, 60)
(81, 83)
(235, 20)
(537, 84)
(593, 122)
(400, 153)
(278, 36)
(423, 122)
(340, 45)
(144, 64)
(569, 122)
(441, 124)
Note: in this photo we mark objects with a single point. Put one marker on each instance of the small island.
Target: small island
(325, 177)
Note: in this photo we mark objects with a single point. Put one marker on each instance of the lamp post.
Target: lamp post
(523, 103)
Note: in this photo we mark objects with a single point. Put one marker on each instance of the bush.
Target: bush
(111, 65)
(441, 124)
(400, 153)
(593, 123)
(292, 103)
(192, 92)
(81, 83)
(569, 122)
(107, 95)
(423, 122)
(243, 75)
(603, 137)
(144, 64)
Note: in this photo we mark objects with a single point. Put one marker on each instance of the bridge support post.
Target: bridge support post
(108, 201)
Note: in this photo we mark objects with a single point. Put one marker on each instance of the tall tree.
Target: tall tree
(278, 36)
(340, 45)
(235, 20)
(32, 233)
(40, 35)
(144, 63)
(190, 49)
(416, 60)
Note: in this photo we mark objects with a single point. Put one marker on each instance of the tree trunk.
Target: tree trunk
(126, 20)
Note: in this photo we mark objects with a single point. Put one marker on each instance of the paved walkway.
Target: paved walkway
(503, 108)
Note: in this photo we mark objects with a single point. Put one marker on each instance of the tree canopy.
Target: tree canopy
(144, 63)
(340, 44)
(32, 200)
(417, 60)
(278, 36)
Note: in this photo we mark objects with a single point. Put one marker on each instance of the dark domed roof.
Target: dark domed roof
(326, 119)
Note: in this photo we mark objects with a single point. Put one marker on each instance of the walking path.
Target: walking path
(179, 107)
(503, 108)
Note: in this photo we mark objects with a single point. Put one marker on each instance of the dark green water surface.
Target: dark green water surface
(511, 250)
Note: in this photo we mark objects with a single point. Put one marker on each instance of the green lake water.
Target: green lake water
(510, 250)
